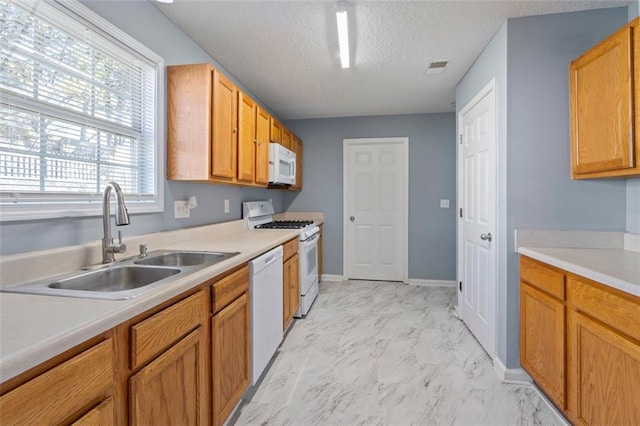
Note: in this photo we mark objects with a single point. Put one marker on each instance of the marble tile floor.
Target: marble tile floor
(382, 353)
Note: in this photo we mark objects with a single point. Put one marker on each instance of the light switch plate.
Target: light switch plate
(226, 206)
(444, 204)
(181, 209)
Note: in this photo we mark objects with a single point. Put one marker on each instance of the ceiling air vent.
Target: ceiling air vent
(436, 67)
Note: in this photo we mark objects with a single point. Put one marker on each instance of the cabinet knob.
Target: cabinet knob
(235, 130)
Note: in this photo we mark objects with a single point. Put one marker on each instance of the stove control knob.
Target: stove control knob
(352, 218)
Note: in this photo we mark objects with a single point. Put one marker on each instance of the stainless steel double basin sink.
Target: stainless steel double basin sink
(124, 279)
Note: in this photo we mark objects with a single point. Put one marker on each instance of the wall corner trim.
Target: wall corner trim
(511, 375)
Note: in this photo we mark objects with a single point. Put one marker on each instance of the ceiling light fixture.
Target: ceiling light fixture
(164, 1)
(343, 37)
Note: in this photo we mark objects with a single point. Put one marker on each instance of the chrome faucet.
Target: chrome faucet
(122, 218)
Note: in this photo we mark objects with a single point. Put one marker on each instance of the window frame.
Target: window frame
(23, 206)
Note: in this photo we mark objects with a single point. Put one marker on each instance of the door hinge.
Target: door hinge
(460, 285)
(460, 138)
(460, 212)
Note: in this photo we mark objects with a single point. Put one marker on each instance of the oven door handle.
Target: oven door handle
(312, 239)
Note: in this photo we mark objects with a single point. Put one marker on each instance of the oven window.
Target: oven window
(312, 259)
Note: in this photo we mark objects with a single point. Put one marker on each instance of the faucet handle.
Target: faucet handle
(143, 250)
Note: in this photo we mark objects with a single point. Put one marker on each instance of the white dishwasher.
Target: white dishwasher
(266, 309)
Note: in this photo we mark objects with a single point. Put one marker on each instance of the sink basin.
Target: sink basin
(126, 279)
(115, 279)
(185, 258)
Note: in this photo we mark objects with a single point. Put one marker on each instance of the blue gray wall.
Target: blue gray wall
(540, 192)
(529, 59)
(431, 177)
(492, 65)
(148, 25)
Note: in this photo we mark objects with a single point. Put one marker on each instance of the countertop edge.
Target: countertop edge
(584, 271)
(20, 361)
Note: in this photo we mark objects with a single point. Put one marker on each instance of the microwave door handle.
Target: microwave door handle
(293, 169)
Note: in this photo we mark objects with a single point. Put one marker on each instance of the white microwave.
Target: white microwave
(282, 165)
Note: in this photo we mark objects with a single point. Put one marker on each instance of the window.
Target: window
(79, 107)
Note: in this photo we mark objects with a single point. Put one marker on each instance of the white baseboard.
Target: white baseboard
(511, 375)
(334, 278)
(560, 419)
(432, 283)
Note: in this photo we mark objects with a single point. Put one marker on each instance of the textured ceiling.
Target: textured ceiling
(286, 52)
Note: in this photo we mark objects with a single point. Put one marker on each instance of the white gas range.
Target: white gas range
(259, 215)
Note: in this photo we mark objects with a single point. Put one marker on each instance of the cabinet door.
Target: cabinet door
(246, 137)
(604, 379)
(296, 146)
(294, 284)
(225, 132)
(263, 126)
(172, 389)
(320, 254)
(286, 294)
(63, 393)
(101, 415)
(542, 337)
(275, 133)
(286, 138)
(230, 357)
(601, 86)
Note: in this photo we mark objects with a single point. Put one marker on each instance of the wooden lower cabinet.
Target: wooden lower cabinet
(290, 289)
(100, 415)
(230, 359)
(172, 389)
(604, 380)
(582, 346)
(542, 341)
(65, 393)
(320, 254)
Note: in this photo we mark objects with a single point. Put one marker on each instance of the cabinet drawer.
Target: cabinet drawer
(289, 249)
(622, 313)
(155, 334)
(542, 277)
(230, 288)
(64, 392)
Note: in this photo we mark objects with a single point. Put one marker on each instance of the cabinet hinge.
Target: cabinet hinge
(460, 138)
(460, 285)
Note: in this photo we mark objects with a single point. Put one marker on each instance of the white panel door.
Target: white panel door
(375, 209)
(477, 189)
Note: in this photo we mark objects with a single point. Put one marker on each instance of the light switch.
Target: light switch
(444, 204)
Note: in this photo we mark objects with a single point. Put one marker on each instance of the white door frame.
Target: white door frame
(404, 142)
(490, 87)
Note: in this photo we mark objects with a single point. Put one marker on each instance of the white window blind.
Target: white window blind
(78, 109)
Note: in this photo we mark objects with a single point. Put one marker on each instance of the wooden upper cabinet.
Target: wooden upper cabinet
(286, 138)
(605, 139)
(247, 142)
(275, 134)
(189, 115)
(296, 146)
(263, 128)
(225, 130)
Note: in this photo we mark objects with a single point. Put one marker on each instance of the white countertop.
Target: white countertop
(616, 268)
(34, 328)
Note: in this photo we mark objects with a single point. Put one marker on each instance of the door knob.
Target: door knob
(485, 237)
(352, 218)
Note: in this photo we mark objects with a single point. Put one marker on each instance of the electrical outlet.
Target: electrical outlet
(444, 204)
(181, 209)
(226, 206)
